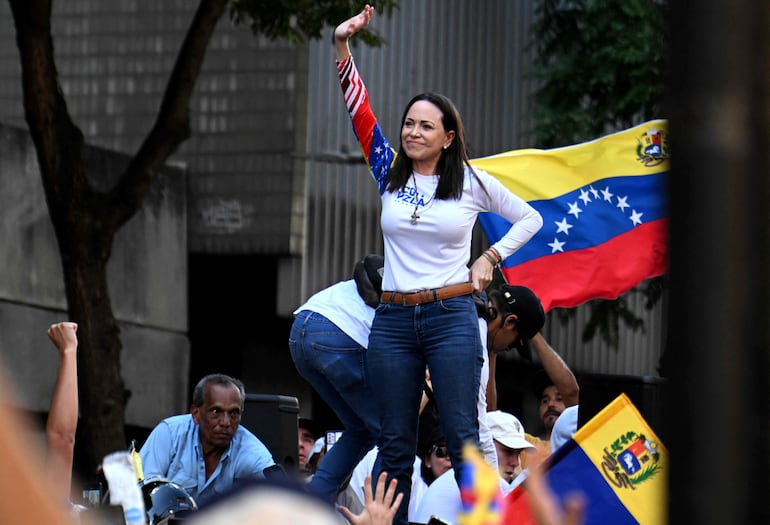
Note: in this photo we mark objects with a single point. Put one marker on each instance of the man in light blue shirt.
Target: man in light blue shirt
(207, 451)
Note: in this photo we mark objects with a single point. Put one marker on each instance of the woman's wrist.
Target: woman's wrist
(491, 258)
(496, 254)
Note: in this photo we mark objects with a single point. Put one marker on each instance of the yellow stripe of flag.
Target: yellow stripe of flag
(535, 174)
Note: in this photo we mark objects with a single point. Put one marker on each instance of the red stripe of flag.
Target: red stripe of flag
(603, 271)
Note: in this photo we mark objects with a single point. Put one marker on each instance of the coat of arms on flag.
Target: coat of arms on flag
(615, 462)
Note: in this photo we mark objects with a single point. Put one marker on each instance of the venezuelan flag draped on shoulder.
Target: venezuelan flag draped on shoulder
(603, 204)
(616, 462)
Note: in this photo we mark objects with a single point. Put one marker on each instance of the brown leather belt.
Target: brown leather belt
(427, 296)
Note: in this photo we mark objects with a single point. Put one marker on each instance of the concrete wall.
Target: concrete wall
(147, 278)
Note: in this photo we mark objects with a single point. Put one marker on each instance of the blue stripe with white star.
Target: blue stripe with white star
(588, 216)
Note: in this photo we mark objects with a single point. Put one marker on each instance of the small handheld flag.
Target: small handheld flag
(136, 460)
(479, 490)
(616, 463)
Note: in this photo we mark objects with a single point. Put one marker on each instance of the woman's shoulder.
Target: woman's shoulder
(471, 171)
(474, 177)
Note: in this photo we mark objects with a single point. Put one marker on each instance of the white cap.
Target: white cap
(318, 447)
(507, 429)
(564, 427)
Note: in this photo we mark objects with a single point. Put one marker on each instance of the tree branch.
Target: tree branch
(58, 142)
(172, 127)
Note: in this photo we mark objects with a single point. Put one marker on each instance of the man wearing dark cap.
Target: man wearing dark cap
(513, 316)
(514, 322)
(307, 432)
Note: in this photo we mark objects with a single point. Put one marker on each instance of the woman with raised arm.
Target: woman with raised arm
(430, 200)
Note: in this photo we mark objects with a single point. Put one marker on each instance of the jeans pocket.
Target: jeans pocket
(344, 367)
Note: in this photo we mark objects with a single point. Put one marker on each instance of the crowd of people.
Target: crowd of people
(404, 354)
(216, 461)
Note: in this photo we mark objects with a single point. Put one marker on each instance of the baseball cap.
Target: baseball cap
(525, 305)
(311, 426)
(318, 447)
(507, 429)
(564, 427)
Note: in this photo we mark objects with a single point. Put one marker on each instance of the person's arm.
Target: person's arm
(63, 413)
(557, 370)
(376, 149)
(486, 443)
(525, 222)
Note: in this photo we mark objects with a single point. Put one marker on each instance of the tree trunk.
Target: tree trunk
(102, 391)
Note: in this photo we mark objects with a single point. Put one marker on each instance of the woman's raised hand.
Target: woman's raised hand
(350, 27)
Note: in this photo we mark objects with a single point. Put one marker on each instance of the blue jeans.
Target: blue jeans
(444, 335)
(335, 365)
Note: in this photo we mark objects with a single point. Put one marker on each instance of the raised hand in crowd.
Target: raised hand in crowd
(63, 413)
(379, 509)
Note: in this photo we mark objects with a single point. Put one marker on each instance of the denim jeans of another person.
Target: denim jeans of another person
(445, 336)
(335, 365)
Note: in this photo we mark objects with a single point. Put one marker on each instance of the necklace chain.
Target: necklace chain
(417, 204)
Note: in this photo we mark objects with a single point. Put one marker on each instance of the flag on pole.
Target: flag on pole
(616, 462)
(604, 214)
(137, 460)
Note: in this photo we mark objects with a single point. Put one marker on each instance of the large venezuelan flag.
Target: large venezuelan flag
(604, 214)
(616, 462)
